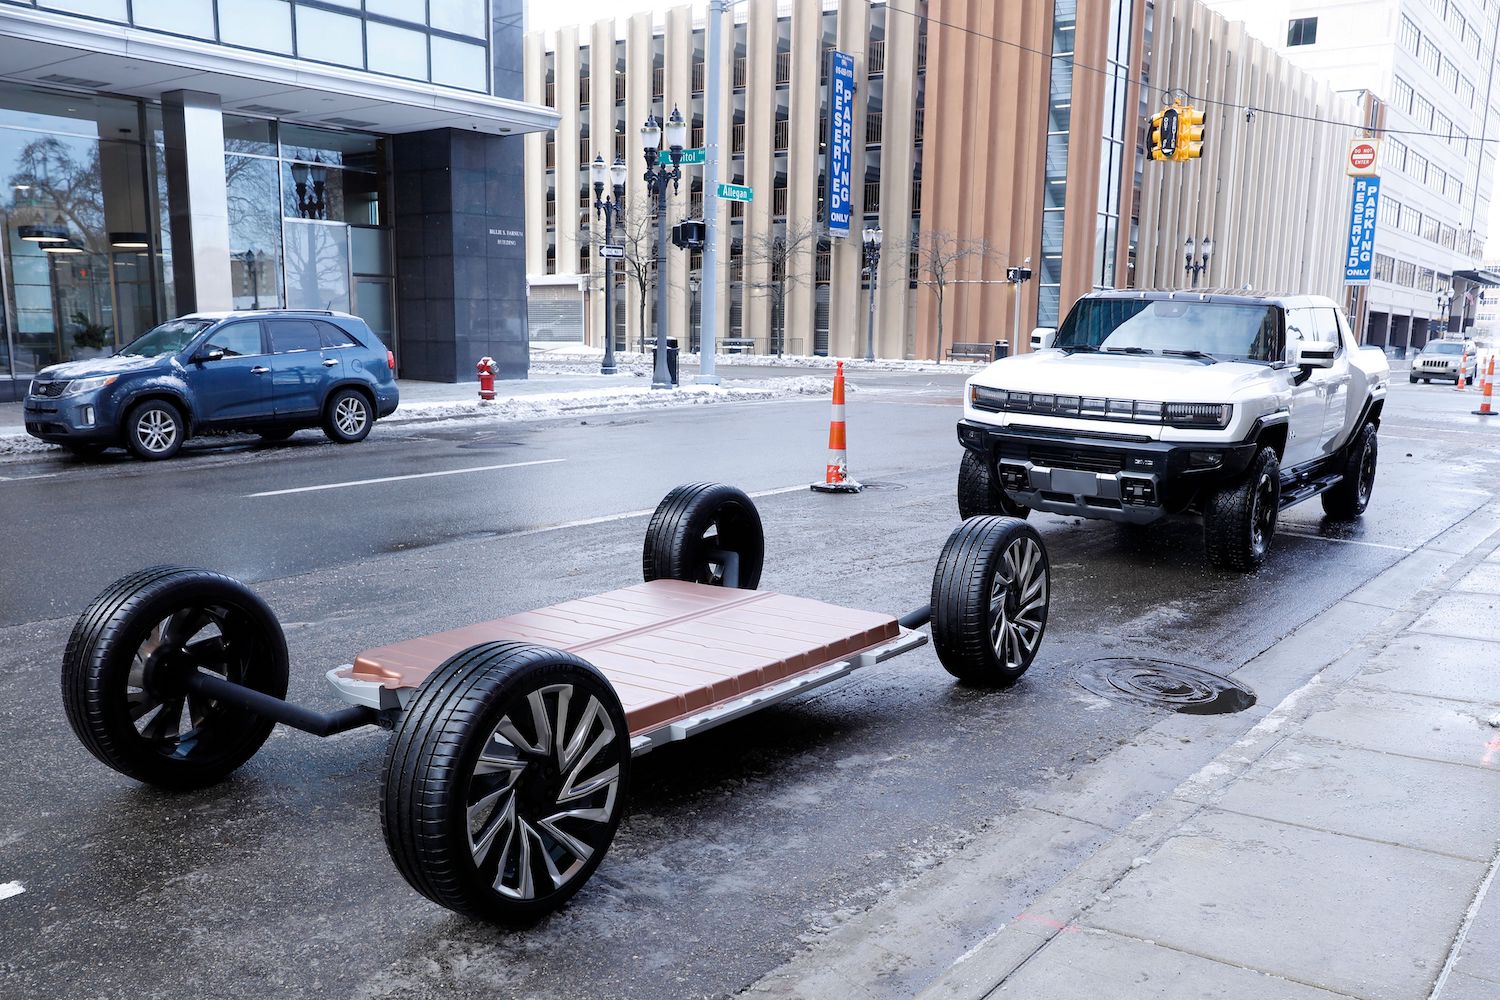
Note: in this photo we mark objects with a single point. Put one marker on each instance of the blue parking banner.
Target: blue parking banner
(1362, 214)
(840, 142)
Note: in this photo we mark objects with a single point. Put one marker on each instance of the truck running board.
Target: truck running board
(1308, 488)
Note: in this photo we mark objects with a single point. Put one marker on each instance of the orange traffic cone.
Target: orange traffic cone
(1489, 388)
(1463, 363)
(837, 479)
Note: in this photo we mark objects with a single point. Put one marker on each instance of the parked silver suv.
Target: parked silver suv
(1441, 359)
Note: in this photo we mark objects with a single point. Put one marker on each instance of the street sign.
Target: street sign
(688, 156)
(840, 143)
(612, 250)
(1363, 157)
(1362, 215)
(736, 192)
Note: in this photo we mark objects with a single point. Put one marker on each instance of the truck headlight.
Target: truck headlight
(985, 398)
(1214, 415)
(88, 384)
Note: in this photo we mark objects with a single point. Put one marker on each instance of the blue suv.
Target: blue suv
(270, 373)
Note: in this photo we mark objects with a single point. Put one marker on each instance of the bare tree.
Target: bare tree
(769, 256)
(635, 230)
(940, 257)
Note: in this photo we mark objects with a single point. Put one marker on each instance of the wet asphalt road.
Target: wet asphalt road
(741, 844)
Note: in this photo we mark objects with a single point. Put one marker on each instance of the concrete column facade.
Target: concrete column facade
(846, 299)
(565, 86)
(760, 157)
(894, 336)
(601, 143)
(198, 205)
(535, 159)
(640, 50)
(679, 94)
(803, 164)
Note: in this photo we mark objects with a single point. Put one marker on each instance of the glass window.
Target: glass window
(1407, 34)
(317, 265)
(1224, 330)
(397, 51)
(459, 17)
(1302, 31)
(169, 338)
(109, 10)
(249, 135)
(312, 191)
(414, 11)
(1299, 326)
(329, 37)
(180, 17)
(458, 64)
(251, 185)
(333, 336)
(1326, 326)
(236, 340)
(289, 335)
(339, 149)
(257, 24)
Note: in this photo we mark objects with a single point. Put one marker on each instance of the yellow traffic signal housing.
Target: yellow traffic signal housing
(1164, 131)
(1189, 134)
(1153, 138)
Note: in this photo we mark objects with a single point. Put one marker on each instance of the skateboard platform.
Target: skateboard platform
(670, 649)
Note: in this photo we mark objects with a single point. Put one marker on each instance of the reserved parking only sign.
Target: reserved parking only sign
(1362, 215)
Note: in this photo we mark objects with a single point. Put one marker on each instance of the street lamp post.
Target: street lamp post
(1197, 264)
(1445, 303)
(872, 268)
(657, 176)
(694, 322)
(609, 208)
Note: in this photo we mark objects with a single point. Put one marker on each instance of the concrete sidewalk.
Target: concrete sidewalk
(1346, 847)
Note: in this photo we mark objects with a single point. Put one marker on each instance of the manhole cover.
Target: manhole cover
(885, 486)
(1185, 689)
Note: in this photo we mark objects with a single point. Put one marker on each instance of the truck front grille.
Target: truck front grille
(1089, 460)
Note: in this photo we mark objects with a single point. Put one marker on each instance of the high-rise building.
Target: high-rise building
(164, 156)
(986, 136)
(1430, 65)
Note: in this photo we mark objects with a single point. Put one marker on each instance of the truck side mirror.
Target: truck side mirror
(1042, 337)
(1309, 354)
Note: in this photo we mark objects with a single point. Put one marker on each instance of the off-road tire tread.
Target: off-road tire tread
(977, 493)
(1341, 502)
(1226, 518)
(960, 598)
(664, 554)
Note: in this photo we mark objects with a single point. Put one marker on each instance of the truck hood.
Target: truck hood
(118, 364)
(1124, 376)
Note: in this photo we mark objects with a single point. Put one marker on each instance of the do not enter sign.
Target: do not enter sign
(1363, 155)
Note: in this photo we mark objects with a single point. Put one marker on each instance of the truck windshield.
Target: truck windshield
(1448, 348)
(169, 338)
(1224, 330)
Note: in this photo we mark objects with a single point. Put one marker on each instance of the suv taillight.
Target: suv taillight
(390, 360)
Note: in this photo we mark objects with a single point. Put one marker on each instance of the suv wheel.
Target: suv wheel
(1240, 519)
(1351, 496)
(347, 418)
(154, 430)
(979, 494)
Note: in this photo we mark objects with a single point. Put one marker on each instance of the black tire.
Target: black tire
(979, 494)
(347, 416)
(431, 787)
(154, 430)
(1413, 379)
(85, 452)
(1351, 496)
(990, 594)
(128, 708)
(692, 520)
(1239, 520)
(278, 434)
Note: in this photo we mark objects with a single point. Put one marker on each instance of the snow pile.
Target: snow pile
(554, 361)
(21, 443)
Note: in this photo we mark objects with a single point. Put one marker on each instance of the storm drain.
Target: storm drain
(1162, 684)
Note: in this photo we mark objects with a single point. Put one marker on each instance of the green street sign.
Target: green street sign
(688, 156)
(736, 192)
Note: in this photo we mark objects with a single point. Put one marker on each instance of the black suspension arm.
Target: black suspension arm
(284, 712)
(917, 618)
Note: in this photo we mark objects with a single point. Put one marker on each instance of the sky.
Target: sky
(547, 14)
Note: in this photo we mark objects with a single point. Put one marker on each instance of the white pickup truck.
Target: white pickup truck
(1143, 404)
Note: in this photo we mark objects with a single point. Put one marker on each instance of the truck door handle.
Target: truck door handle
(259, 370)
(330, 362)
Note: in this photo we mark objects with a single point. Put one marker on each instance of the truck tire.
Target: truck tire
(1351, 496)
(123, 671)
(979, 494)
(505, 781)
(1239, 520)
(694, 519)
(990, 594)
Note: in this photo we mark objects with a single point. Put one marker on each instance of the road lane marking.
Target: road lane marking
(10, 889)
(397, 479)
(1345, 541)
(605, 519)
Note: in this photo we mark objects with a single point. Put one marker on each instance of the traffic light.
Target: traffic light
(1153, 133)
(689, 234)
(1189, 134)
(1163, 139)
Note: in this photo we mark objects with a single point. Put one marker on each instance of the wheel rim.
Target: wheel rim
(1018, 602)
(1366, 473)
(1262, 513)
(349, 415)
(175, 722)
(156, 429)
(543, 791)
(723, 533)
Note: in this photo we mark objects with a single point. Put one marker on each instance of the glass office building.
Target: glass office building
(159, 157)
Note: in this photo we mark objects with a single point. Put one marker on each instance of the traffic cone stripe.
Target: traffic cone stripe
(836, 473)
(1489, 388)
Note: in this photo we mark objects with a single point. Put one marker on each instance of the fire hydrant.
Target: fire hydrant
(486, 370)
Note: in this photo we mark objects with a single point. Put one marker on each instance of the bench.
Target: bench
(737, 345)
(974, 351)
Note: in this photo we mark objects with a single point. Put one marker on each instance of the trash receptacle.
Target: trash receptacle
(1002, 349)
(672, 353)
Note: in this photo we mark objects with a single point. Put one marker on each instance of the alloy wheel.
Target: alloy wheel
(1018, 599)
(164, 713)
(157, 430)
(1262, 513)
(350, 415)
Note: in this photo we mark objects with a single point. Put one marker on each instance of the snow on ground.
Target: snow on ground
(630, 360)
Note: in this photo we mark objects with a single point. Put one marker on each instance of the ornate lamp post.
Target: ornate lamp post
(1195, 267)
(694, 321)
(657, 177)
(311, 204)
(872, 268)
(609, 208)
(1445, 304)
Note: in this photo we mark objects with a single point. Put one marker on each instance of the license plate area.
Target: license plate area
(1084, 484)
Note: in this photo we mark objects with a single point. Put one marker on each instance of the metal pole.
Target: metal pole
(662, 379)
(609, 367)
(874, 256)
(1015, 337)
(709, 316)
